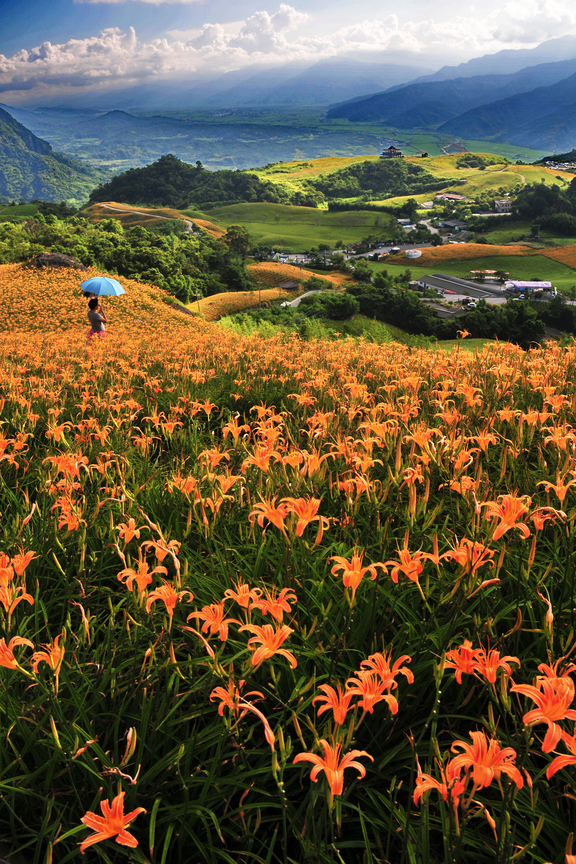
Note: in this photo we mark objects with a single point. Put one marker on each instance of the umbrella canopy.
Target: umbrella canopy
(103, 285)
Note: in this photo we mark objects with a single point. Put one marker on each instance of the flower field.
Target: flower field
(435, 255)
(270, 273)
(215, 306)
(268, 600)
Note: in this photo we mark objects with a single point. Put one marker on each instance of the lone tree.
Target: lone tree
(238, 240)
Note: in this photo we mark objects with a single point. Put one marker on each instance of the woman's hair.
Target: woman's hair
(93, 303)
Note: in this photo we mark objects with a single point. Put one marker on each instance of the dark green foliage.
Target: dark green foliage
(169, 182)
(476, 160)
(238, 240)
(362, 271)
(384, 177)
(182, 264)
(557, 313)
(517, 322)
(339, 307)
(536, 200)
(570, 156)
(560, 223)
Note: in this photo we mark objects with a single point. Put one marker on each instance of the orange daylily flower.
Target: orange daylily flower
(20, 562)
(560, 487)
(243, 595)
(142, 576)
(352, 570)
(53, 655)
(275, 604)
(267, 509)
(214, 620)
(380, 664)
(466, 659)
(112, 823)
(332, 765)
(6, 570)
(489, 662)
(509, 511)
(126, 531)
(409, 565)
(553, 698)
(462, 659)
(337, 702)
(162, 548)
(471, 555)
(7, 659)
(169, 596)
(232, 699)
(450, 785)
(371, 688)
(554, 674)
(11, 595)
(270, 641)
(563, 760)
(306, 509)
(486, 759)
(544, 514)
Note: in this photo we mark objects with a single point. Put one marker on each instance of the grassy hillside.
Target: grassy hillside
(299, 228)
(292, 173)
(465, 181)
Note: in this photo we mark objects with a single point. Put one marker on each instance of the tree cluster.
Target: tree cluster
(553, 207)
(169, 182)
(181, 263)
(514, 322)
(385, 177)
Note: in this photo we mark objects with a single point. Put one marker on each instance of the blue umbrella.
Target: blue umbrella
(103, 285)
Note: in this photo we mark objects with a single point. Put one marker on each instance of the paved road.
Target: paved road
(296, 302)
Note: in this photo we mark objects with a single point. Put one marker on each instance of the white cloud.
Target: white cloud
(118, 59)
(533, 20)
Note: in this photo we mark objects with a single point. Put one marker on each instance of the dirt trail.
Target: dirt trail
(189, 224)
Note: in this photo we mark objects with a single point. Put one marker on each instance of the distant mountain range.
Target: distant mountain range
(532, 107)
(509, 61)
(326, 82)
(294, 84)
(29, 168)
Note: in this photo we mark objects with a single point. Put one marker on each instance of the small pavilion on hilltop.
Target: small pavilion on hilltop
(391, 152)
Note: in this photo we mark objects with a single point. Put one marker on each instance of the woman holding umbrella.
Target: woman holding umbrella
(97, 318)
(96, 287)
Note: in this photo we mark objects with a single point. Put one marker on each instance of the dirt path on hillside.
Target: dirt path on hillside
(189, 224)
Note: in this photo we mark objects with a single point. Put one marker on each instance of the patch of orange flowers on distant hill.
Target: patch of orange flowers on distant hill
(564, 254)
(210, 227)
(216, 305)
(271, 273)
(463, 252)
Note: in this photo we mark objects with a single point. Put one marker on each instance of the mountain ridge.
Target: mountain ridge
(30, 168)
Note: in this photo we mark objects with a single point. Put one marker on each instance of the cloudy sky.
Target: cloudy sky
(65, 46)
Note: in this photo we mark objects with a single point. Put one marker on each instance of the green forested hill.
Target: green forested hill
(171, 182)
(29, 168)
